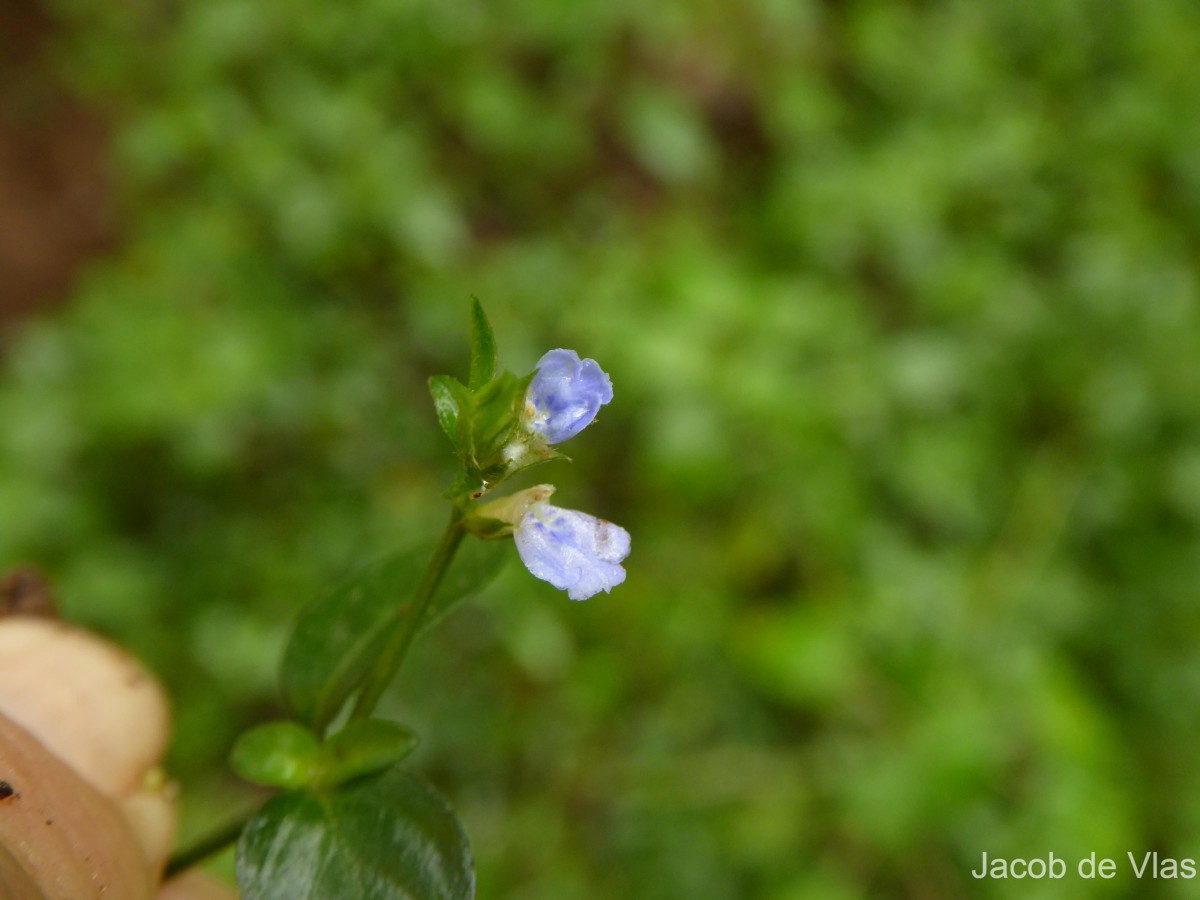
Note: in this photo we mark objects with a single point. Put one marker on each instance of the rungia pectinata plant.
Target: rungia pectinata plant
(349, 822)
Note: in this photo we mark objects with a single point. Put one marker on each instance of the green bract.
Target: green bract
(483, 417)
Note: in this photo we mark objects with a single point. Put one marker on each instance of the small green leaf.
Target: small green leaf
(483, 347)
(446, 393)
(391, 837)
(363, 748)
(337, 638)
(277, 754)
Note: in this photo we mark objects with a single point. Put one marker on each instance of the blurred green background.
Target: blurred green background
(900, 303)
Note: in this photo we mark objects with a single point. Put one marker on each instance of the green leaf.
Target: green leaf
(277, 754)
(483, 348)
(288, 755)
(475, 564)
(391, 837)
(337, 638)
(363, 748)
(447, 396)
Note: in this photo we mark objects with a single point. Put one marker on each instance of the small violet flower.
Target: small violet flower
(565, 395)
(576, 552)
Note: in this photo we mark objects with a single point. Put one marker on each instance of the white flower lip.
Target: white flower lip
(574, 551)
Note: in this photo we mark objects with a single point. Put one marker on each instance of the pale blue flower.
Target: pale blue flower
(565, 395)
(575, 552)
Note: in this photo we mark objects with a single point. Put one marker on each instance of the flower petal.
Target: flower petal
(565, 395)
(574, 551)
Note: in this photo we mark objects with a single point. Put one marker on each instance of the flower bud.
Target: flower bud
(565, 395)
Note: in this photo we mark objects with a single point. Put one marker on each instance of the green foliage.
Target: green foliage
(483, 348)
(390, 836)
(277, 754)
(287, 755)
(339, 636)
(365, 747)
(900, 305)
(482, 417)
(485, 426)
(449, 396)
(476, 564)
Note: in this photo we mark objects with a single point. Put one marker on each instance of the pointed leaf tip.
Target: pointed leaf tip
(483, 347)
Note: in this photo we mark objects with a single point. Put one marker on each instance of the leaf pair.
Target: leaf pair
(288, 755)
(350, 824)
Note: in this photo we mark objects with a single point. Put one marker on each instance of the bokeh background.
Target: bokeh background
(901, 305)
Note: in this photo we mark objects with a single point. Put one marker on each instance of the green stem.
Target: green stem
(411, 615)
(207, 846)
(388, 662)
